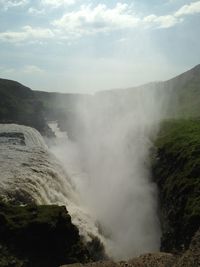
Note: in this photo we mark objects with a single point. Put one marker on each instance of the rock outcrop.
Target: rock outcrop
(38, 236)
(147, 260)
(190, 258)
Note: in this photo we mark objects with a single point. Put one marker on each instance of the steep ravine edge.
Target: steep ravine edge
(176, 170)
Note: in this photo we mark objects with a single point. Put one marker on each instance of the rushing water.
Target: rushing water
(31, 173)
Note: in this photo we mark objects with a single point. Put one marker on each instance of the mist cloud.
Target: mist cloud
(114, 133)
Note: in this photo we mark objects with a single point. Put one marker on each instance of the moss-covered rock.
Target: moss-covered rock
(176, 170)
(38, 236)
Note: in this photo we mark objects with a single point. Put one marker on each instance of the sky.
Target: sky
(85, 46)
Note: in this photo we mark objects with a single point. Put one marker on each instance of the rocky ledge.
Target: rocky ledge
(38, 236)
(190, 258)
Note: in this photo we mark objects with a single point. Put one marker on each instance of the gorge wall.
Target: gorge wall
(176, 170)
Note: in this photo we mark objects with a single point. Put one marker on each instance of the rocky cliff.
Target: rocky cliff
(38, 236)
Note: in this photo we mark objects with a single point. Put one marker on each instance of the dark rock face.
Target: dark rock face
(38, 236)
(176, 170)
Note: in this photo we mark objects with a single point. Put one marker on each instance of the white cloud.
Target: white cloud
(57, 3)
(168, 21)
(35, 11)
(190, 9)
(6, 4)
(46, 5)
(88, 20)
(27, 33)
(161, 21)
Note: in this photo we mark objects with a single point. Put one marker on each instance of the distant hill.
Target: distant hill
(185, 93)
(18, 104)
(180, 94)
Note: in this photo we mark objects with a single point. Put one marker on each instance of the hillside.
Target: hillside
(181, 94)
(185, 94)
(176, 170)
(18, 104)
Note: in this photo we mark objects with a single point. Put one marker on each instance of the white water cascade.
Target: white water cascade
(29, 172)
(109, 161)
(103, 177)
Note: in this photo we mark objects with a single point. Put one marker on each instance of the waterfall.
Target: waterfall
(30, 173)
(102, 176)
(109, 161)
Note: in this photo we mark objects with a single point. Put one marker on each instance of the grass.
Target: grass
(41, 236)
(177, 173)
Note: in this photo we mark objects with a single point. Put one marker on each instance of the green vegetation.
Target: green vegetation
(38, 236)
(176, 170)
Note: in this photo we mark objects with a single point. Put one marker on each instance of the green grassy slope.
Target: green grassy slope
(176, 170)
